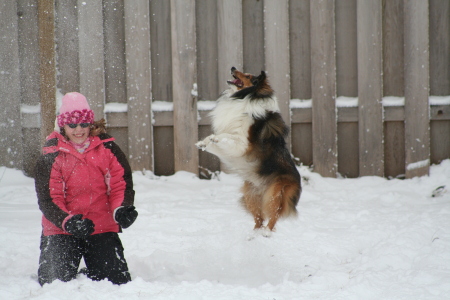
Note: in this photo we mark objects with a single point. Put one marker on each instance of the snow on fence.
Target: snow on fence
(374, 77)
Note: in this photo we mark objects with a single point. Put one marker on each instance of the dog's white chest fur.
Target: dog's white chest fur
(231, 120)
(235, 116)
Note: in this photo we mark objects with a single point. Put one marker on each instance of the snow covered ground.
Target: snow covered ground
(365, 238)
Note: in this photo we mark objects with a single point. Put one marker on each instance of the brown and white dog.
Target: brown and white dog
(249, 138)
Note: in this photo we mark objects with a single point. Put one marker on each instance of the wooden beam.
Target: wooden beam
(11, 149)
(300, 48)
(439, 47)
(393, 72)
(46, 24)
(230, 43)
(323, 67)
(207, 49)
(184, 71)
(92, 75)
(29, 53)
(67, 46)
(253, 36)
(276, 35)
(114, 51)
(161, 50)
(417, 114)
(347, 48)
(139, 87)
(370, 88)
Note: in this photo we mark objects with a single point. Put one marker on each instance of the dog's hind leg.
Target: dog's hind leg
(252, 202)
(272, 209)
(280, 200)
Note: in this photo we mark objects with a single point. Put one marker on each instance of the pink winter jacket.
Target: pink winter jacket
(93, 183)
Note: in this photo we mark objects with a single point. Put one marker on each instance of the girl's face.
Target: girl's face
(78, 134)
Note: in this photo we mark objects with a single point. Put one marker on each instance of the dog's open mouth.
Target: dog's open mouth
(237, 82)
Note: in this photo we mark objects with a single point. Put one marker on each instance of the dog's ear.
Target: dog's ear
(262, 76)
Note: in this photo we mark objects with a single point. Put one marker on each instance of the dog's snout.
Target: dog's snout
(233, 69)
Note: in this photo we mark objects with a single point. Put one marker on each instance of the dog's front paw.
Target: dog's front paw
(201, 145)
(204, 144)
(213, 138)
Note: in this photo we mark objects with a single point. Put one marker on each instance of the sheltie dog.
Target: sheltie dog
(249, 138)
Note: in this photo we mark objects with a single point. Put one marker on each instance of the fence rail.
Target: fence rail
(374, 77)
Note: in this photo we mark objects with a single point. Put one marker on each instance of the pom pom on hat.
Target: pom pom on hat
(74, 110)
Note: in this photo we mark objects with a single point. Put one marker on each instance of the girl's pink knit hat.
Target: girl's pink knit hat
(74, 110)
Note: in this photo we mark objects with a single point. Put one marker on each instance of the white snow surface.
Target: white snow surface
(364, 238)
(115, 107)
(30, 109)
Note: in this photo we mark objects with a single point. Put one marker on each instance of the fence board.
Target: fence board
(393, 71)
(90, 34)
(348, 149)
(276, 35)
(253, 36)
(67, 46)
(11, 150)
(417, 135)
(440, 140)
(370, 88)
(346, 49)
(164, 150)
(394, 148)
(347, 85)
(28, 51)
(114, 36)
(230, 43)
(29, 79)
(207, 50)
(323, 65)
(161, 50)
(184, 71)
(302, 143)
(300, 48)
(439, 47)
(139, 92)
(47, 74)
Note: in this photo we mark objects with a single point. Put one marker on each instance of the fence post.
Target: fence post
(11, 150)
(139, 84)
(393, 85)
(92, 76)
(67, 45)
(417, 115)
(184, 70)
(370, 88)
(46, 20)
(276, 34)
(323, 71)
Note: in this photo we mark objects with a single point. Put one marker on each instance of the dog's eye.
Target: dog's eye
(248, 76)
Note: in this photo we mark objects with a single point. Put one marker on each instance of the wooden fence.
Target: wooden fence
(373, 77)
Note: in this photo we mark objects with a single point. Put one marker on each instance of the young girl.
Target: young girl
(85, 192)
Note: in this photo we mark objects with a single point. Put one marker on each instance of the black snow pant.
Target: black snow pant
(103, 255)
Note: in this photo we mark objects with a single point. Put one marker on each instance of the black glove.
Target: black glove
(126, 216)
(78, 227)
